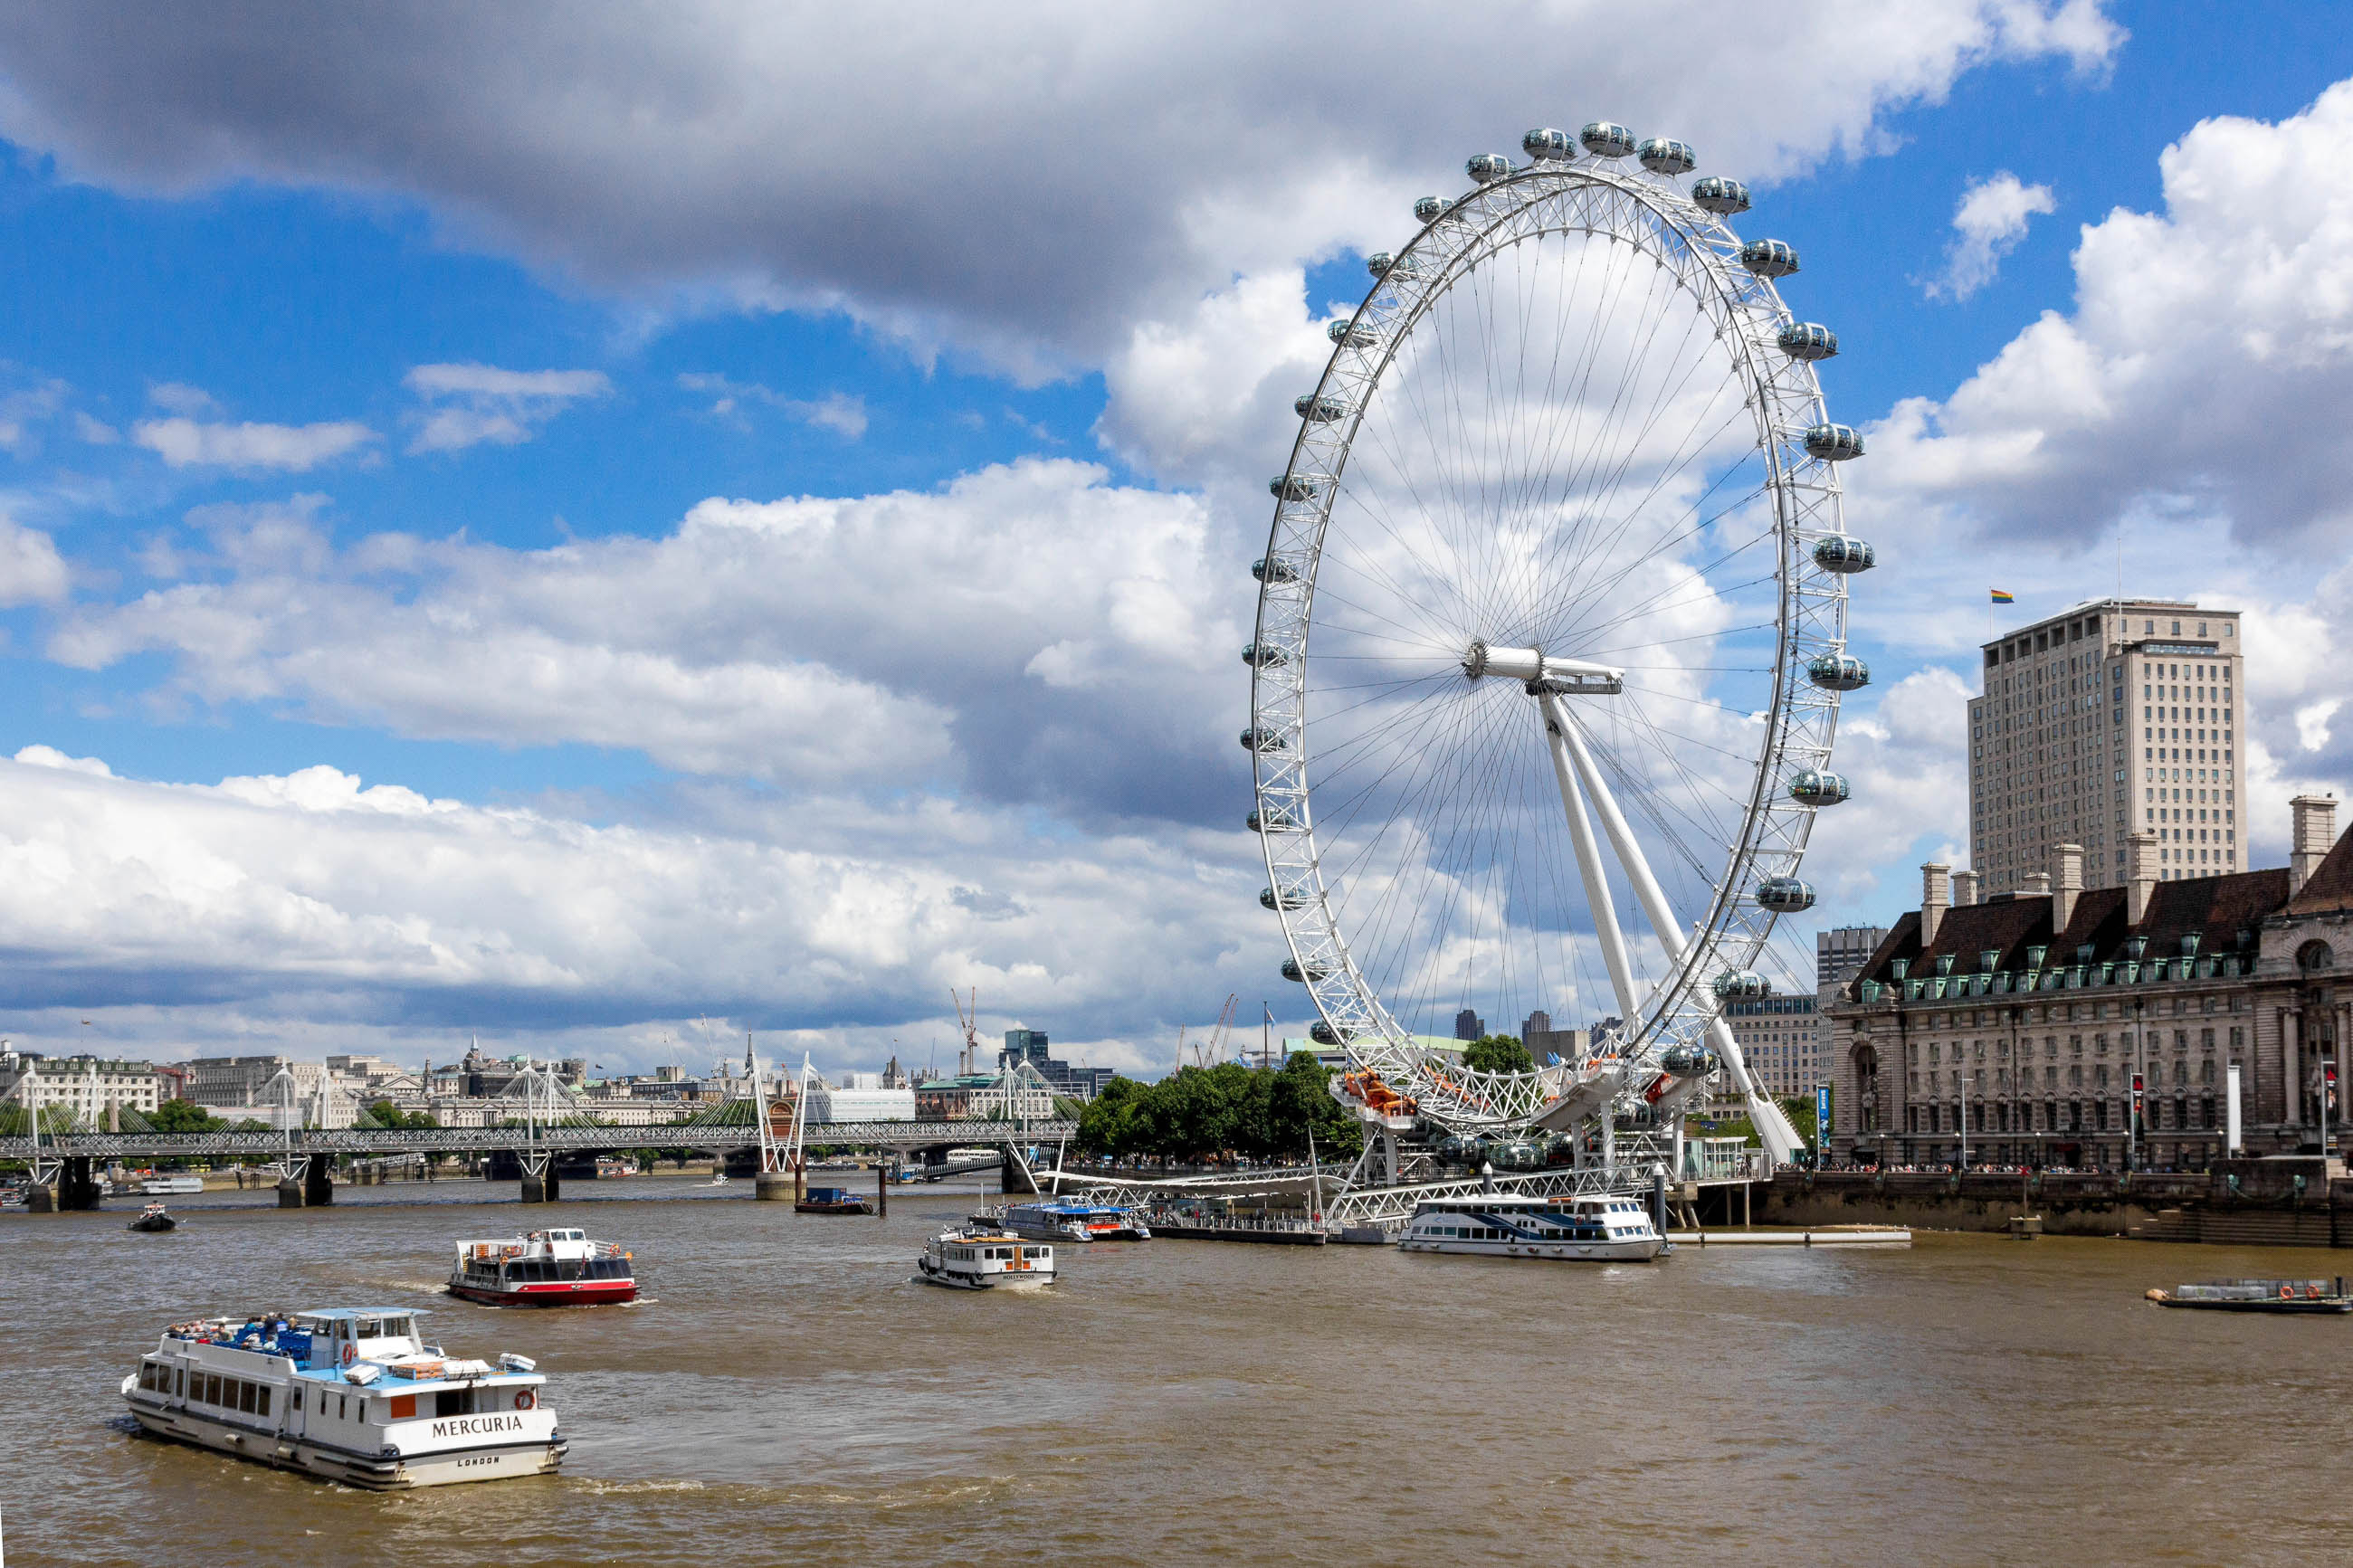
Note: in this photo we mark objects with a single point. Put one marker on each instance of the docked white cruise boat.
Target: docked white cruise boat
(1515, 1225)
(352, 1395)
(985, 1259)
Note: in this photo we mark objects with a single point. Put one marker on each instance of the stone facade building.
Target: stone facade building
(95, 1089)
(2029, 1014)
(2112, 718)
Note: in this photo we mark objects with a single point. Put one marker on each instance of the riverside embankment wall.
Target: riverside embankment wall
(2244, 1201)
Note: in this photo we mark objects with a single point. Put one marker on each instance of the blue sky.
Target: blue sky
(757, 303)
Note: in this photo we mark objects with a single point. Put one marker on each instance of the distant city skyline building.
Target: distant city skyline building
(1841, 952)
(2113, 717)
(1469, 1025)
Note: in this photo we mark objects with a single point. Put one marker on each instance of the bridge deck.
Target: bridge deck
(375, 1141)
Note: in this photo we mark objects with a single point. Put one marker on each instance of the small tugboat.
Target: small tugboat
(1512, 1225)
(349, 1393)
(154, 1218)
(985, 1258)
(546, 1268)
(832, 1200)
(2259, 1296)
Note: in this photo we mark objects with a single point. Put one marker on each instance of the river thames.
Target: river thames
(784, 1395)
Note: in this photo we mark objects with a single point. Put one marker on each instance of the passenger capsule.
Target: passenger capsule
(1833, 442)
(1548, 146)
(1294, 487)
(1322, 1033)
(1287, 900)
(1770, 258)
(1263, 656)
(1291, 970)
(1256, 739)
(1488, 167)
(1319, 410)
(1784, 894)
(1662, 156)
(1808, 341)
(1354, 334)
(1741, 986)
(1275, 821)
(1605, 140)
(1688, 1061)
(1719, 194)
(1814, 787)
(1838, 672)
(1839, 553)
(1274, 568)
(1430, 209)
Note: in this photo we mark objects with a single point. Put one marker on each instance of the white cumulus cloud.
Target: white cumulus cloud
(1987, 225)
(186, 443)
(31, 571)
(466, 404)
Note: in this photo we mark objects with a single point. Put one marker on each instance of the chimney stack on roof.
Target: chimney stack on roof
(1965, 888)
(2314, 831)
(2140, 874)
(1935, 898)
(2067, 882)
(2035, 885)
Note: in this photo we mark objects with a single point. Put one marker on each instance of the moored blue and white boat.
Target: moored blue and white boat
(1067, 1220)
(1515, 1225)
(349, 1393)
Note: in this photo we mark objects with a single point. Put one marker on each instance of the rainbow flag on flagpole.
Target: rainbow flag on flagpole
(2003, 597)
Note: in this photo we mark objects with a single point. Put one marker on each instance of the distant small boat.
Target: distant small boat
(832, 1200)
(2259, 1296)
(153, 1219)
(717, 1179)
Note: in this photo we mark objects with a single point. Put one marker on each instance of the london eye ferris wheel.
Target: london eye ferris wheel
(1551, 634)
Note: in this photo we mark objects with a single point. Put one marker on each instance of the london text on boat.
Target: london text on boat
(1509, 1225)
(350, 1394)
(546, 1268)
(985, 1259)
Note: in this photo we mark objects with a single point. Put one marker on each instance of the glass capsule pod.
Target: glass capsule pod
(1319, 410)
(1548, 144)
(1430, 209)
(1784, 894)
(1518, 1156)
(1688, 1061)
(1293, 971)
(1274, 568)
(1833, 442)
(1663, 155)
(1839, 553)
(1770, 258)
(1719, 194)
(1275, 821)
(1256, 739)
(1838, 672)
(1294, 487)
(1456, 1148)
(1808, 341)
(1284, 900)
(1814, 787)
(1263, 656)
(1488, 167)
(1605, 139)
(1324, 1033)
(1741, 986)
(1349, 331)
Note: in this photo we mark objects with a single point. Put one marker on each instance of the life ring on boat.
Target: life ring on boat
(2312, 1293)
(524, 1400)
(351, 1353)
(2287, 1292)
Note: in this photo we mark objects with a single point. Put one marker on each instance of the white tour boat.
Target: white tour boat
(351, 1394)
(170, 1186)
(1513, 1224)
(546, 1268)
(985, 1259)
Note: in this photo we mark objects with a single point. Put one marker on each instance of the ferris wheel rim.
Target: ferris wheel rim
(1283, 789)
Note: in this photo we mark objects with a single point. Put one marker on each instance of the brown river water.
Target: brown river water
(785, 1394)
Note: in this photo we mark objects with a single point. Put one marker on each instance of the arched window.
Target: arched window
(2315, 954)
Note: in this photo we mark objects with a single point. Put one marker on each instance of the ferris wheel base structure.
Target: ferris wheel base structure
(1552, 619)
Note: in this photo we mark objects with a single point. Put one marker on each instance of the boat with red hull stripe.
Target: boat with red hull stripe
(544, 1268)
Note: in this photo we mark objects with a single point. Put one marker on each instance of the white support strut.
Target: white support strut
(1772, 1124)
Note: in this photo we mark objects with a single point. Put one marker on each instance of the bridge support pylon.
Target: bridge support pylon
(1014, 1175)
(76, 1188)
(39, 1199)
(289, 1193)
(318, 1183)
(774, 1186)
